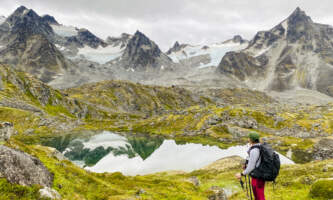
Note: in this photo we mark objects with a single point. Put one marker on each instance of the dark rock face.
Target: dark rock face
(21, 168)
(142, 53)
(262, 39)
(84, 37)
(299, 26)
(36, 55)
(50, 19)
(238, 39)
(29, 45)
(241, 65)
(23, 23)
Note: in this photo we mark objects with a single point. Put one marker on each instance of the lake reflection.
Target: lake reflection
(133, 155)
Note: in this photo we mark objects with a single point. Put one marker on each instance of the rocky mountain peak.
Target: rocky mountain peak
(141, 40)
(20, 10)
(176, 44)
(140, 45)
(299, 25)
(238, 39)
(49, 19)
(25, 22)
(86, 37)
(22, 13)
(143, 53)
(176, 47)
(299, 15)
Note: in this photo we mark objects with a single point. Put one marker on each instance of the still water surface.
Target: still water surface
(138, 155)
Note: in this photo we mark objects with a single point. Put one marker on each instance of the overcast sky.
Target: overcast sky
(165, 21)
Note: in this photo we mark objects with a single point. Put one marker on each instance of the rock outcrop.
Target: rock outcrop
(323, 149)
(6, 130)
(217, 193)
(49, 193)
(176, 47)
(21, 168)
(236, 39)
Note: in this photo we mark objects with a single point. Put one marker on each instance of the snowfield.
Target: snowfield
(215, 51)
(100, 55)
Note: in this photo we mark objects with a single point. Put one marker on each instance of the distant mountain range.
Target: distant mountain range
(297, 53)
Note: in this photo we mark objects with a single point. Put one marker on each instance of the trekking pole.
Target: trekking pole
(250, 187)
(241, 183)
(247, 189)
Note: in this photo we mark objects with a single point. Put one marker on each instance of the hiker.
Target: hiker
(253, 161)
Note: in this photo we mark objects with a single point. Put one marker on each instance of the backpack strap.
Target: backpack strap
(260, 154)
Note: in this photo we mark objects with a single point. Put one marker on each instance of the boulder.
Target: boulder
(323, 149)
(238, 132)
(227, 163)
(6, 130)
(194, 180)
(21, 168)
(217, 193)
(49, 193)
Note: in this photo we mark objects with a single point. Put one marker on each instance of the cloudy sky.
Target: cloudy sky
(165, 21)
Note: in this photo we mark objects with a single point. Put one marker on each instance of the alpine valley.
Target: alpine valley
(83, 117)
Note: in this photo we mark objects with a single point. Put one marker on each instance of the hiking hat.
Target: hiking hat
(254, 136)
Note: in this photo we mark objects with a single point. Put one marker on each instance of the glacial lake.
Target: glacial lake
(139, 155)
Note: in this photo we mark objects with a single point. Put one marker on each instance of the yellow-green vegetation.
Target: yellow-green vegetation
(14, 191)
(125, 96)
(21, 88)
(322, 188)
(295, 182)
(39, 112)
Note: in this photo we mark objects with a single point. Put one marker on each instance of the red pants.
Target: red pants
(258, 187)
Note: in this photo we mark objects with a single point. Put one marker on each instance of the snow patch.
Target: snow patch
(60, 47)
(215, 51)
(285, 26)
(101, 54)
(64, 31)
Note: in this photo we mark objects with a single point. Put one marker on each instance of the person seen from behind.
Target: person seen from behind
(253, 161)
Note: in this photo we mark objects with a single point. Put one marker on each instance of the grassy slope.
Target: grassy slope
(128, 97)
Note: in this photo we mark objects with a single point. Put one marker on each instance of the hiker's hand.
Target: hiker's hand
(238, 176)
